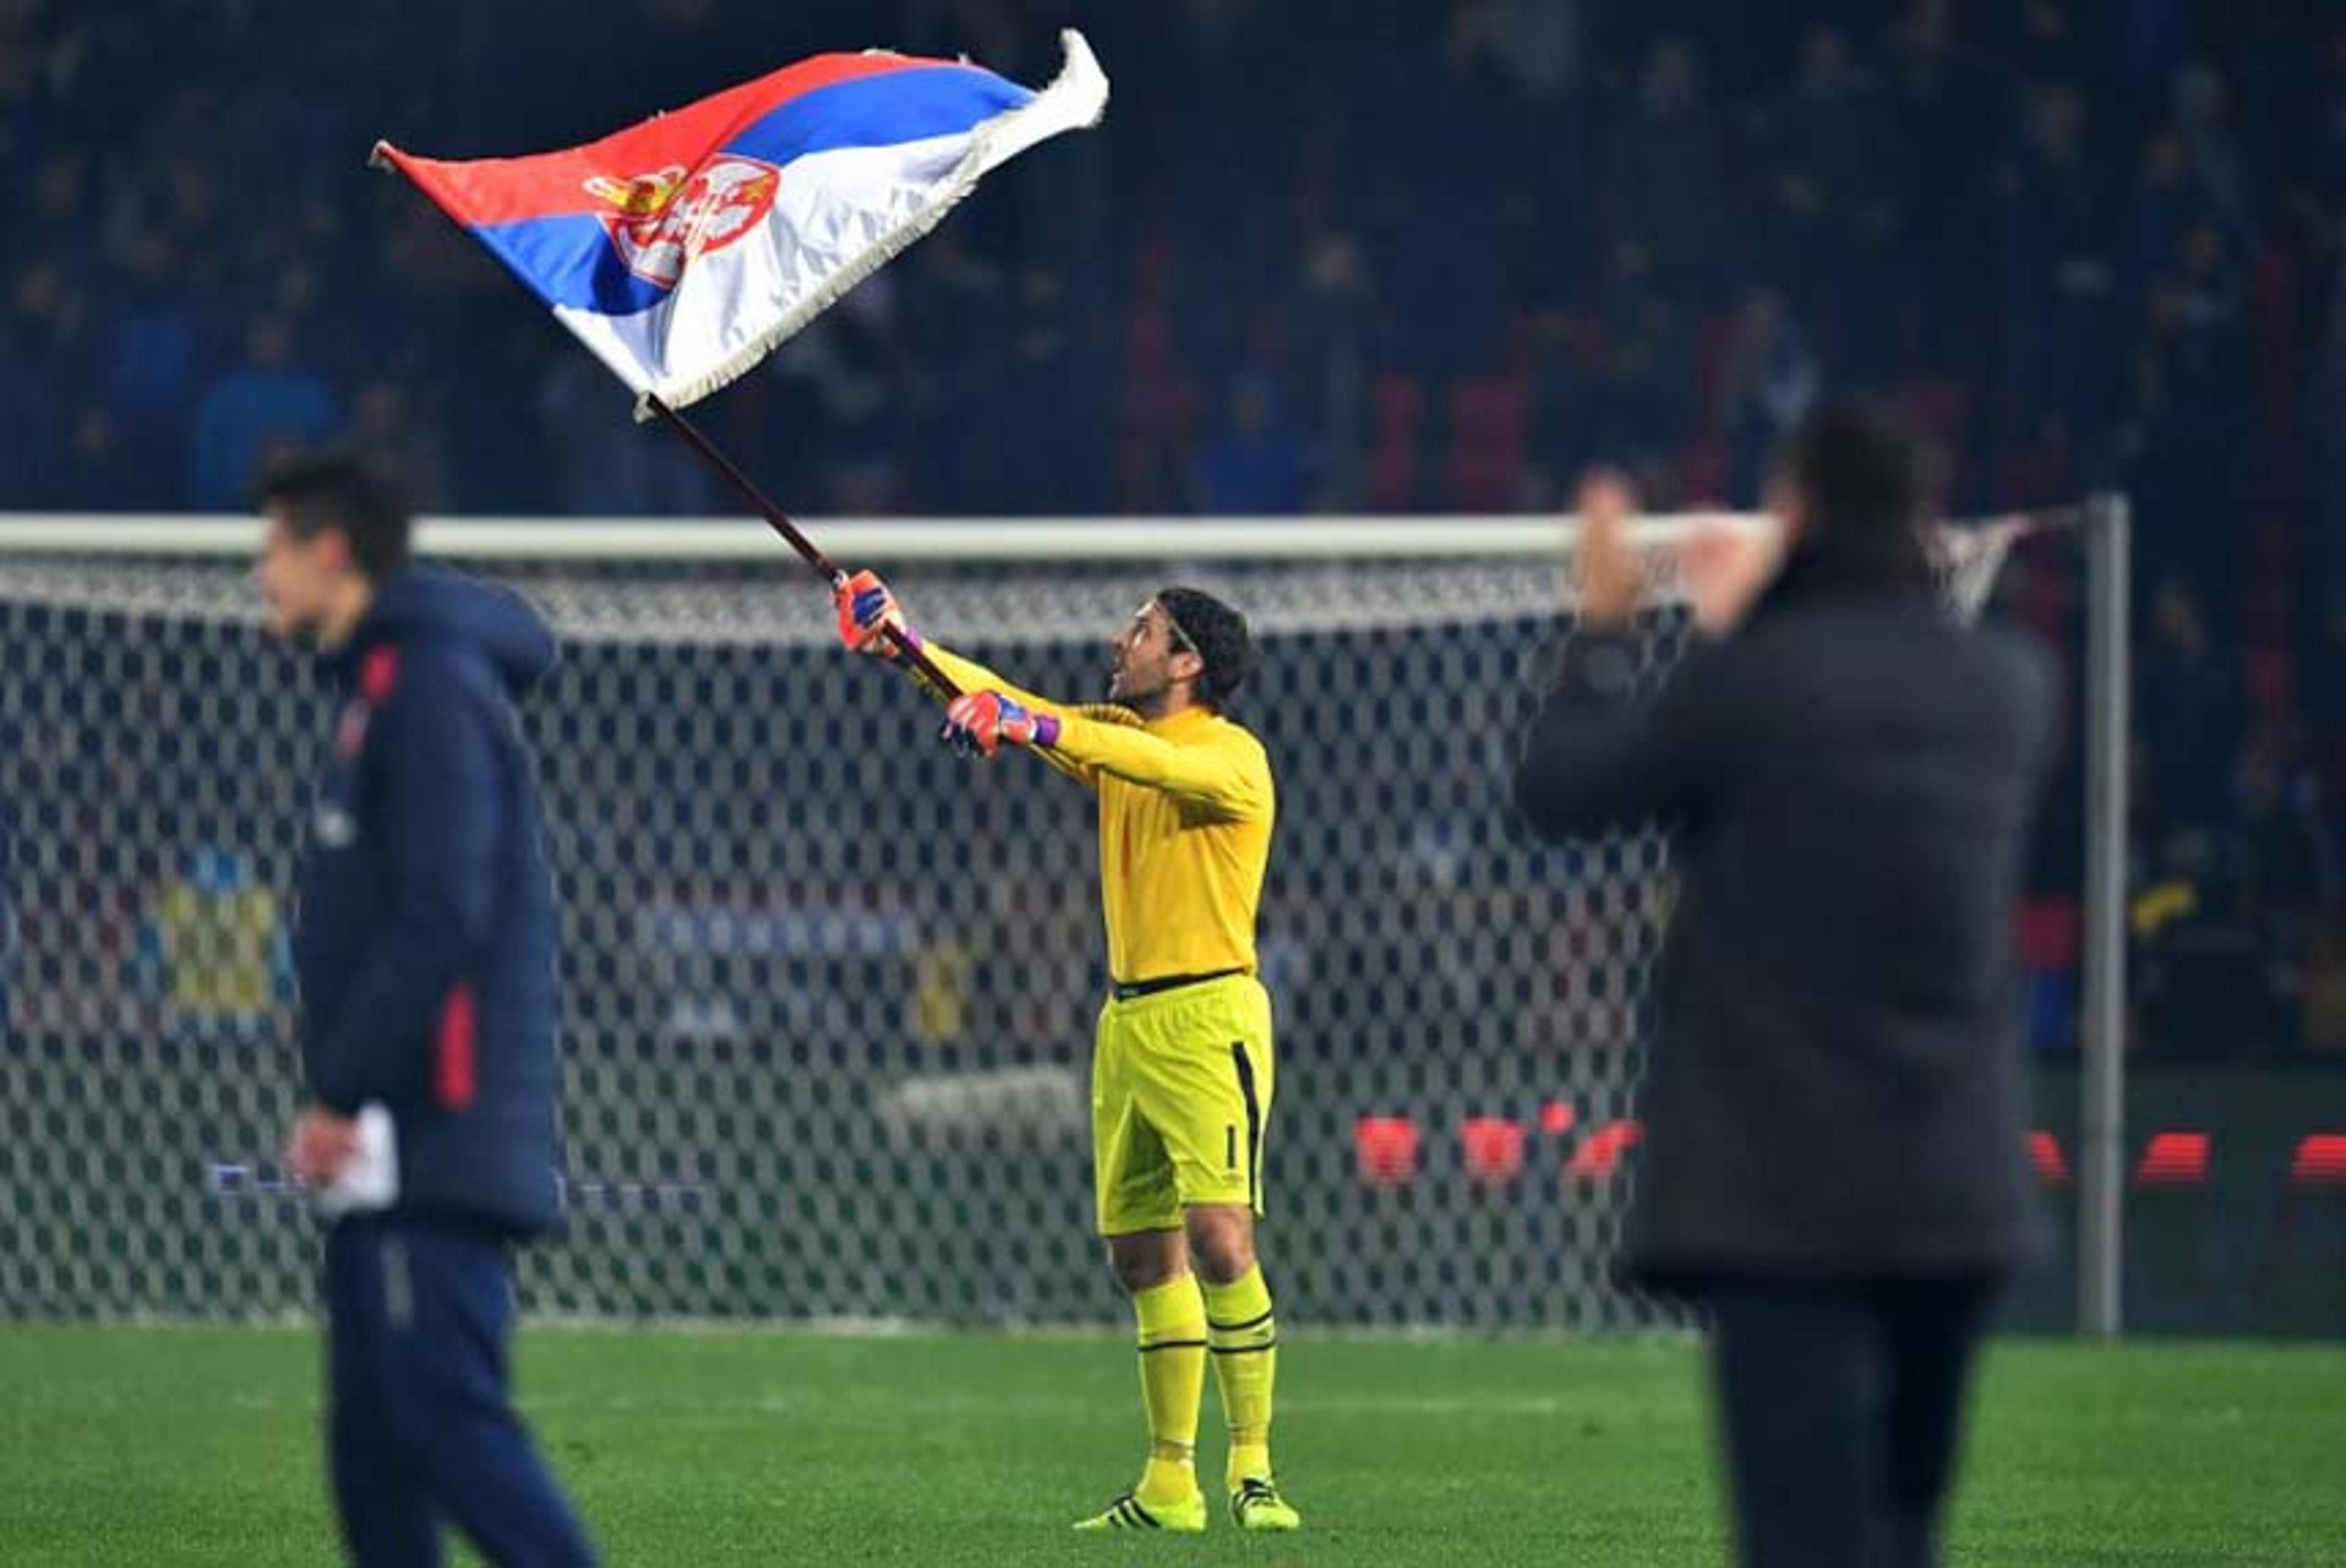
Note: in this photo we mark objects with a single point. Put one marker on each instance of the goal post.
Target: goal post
(828, 989)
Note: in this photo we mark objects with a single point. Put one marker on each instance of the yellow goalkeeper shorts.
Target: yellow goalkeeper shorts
(1182, 1084)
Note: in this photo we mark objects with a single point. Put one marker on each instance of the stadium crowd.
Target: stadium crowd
(1376, 256)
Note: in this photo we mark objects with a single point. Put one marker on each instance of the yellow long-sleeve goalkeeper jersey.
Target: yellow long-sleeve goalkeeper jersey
(1185, 806)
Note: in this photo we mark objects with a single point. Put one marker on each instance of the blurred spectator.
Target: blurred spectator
(32, 332)
(1331, 339)
(22, 120)
(2058, 279)
(959, 299)
(2166, 205)
(607, 466)
(2190, 423)
(1937, 97)
(1662, 173)
(388, 429)
(1235, 151)
(1255, 466)
(266, 404)
(153, 344)
(1636, 398)
(104, 468)
(2209, 978)
(2211, 155)
(1444, 244)
(2190, 713)
(1771, 379)
(61, 211)
(1823, 193)
(1056, 437)
(2287, 842)
(841, 389)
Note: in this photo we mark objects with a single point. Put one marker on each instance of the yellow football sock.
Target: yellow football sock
(1244, 1337)
(1172, 1318)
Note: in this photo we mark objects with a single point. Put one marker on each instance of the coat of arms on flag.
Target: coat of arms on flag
(661, 221)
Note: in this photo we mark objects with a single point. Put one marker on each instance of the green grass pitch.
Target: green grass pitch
(165, 1446)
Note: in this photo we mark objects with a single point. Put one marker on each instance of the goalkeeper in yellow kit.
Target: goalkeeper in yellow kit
(1181, 1064)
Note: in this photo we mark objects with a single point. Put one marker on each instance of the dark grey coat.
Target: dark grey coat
(1834, 1080)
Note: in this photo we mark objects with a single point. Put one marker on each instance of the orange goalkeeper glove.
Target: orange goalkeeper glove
(979, 721)
(866, 610)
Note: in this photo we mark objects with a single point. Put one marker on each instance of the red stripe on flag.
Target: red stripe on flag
(491, 190)
(455, 1065)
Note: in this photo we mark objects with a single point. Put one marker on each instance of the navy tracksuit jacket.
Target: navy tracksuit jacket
(426, 955)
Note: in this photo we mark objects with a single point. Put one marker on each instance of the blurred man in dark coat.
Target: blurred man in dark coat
(1833, 1158)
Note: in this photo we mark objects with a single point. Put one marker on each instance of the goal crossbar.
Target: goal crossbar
(999, 539)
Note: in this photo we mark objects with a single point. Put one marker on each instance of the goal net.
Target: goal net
(828, 988)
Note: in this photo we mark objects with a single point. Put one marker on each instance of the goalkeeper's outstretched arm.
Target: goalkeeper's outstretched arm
(1227, 775)
(1224, 774)
(866, 607)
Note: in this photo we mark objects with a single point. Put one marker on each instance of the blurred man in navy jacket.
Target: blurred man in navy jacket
(426, 960)
(1833, 1106)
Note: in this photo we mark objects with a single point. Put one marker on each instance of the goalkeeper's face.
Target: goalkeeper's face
(1150, 660)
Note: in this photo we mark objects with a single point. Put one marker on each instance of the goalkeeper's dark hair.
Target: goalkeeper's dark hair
(1217, 633)
(1867, 481)
(338, 490)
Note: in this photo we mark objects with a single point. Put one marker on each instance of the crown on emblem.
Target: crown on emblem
(640, 197)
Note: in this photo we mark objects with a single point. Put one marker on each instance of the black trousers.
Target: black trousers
(1841, 1406)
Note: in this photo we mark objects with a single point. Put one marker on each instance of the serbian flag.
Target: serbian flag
(683, 250)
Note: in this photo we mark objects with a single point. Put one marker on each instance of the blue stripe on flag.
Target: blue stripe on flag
(879, 111)
(569, 259)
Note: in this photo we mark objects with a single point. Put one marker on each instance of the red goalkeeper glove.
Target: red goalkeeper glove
(979, 721)
(866, 608)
